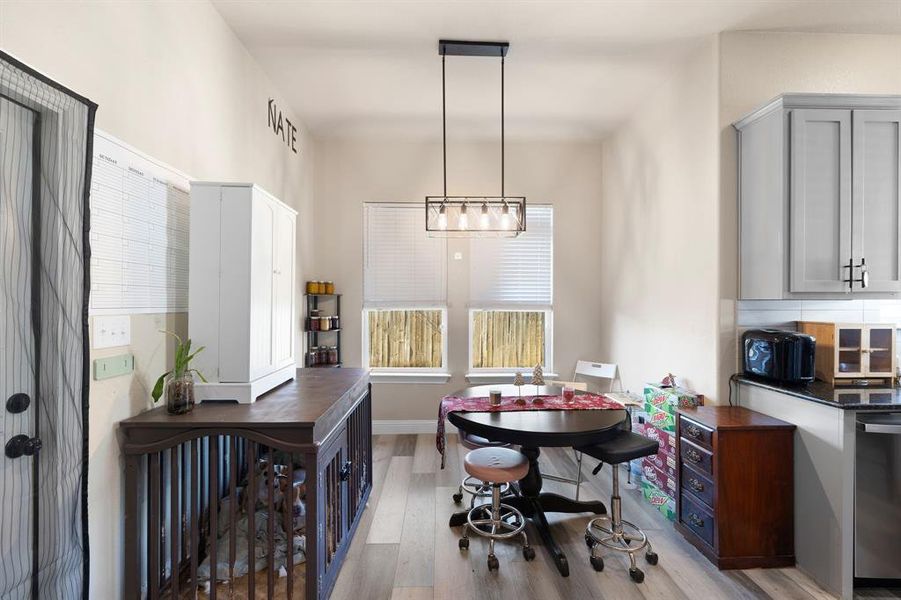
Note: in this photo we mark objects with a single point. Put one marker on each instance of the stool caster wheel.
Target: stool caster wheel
(589, 541)
(636, 574)
(528, 553)
(598, 563)
(562, 565)
(652, 558)
(493, 563)
(464, 543)
(458, 498)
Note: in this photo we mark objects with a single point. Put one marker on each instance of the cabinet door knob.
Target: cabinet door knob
(693, 431)
(693, 455)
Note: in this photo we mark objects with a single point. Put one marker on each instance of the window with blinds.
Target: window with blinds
(402, 265)
(404, 290)
(515, 271)
(511, 292)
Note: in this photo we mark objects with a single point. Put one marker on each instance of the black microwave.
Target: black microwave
(782, 356)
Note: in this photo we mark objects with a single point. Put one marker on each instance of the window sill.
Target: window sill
(501, 377)
(400, 377)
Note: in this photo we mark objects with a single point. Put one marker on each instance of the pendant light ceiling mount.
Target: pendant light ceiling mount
(473, 216)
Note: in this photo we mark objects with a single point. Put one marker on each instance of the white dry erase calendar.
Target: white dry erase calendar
(139, 232)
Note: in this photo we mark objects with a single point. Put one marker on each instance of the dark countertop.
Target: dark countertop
(845, 397)
(313, 402)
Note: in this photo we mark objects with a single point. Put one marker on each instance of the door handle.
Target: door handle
(18, 403)
(894, 428)
(22, 445)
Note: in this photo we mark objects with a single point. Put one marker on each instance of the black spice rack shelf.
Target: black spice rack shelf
(316, 338)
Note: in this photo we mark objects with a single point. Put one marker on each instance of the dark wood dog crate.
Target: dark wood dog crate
(735, 478)
(213, 497)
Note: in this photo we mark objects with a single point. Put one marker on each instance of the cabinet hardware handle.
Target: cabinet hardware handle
(696, 520)
(693, 455)
(694, 431)
(695, 485)
(864, 279)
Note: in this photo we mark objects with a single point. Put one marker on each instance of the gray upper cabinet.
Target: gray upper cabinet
(875, 218)
(820, 206)
(820, 197)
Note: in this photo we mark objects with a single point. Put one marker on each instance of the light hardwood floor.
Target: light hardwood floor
(404, 548)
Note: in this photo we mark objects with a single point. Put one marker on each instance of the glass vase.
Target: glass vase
(180, 395)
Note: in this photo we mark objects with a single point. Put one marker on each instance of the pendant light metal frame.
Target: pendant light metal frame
(506, 214)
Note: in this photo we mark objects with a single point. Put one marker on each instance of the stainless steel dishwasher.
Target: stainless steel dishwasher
(877, 497)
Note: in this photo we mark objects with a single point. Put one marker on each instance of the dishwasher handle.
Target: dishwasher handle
(880, 423)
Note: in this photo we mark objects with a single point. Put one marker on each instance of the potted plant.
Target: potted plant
(179, 382)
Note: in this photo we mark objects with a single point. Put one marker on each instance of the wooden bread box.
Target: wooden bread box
(847, 352)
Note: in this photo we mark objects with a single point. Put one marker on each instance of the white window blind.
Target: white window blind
(515, 271)
(402, 265)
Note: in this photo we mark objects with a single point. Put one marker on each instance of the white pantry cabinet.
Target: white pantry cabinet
(242, 291)
(819, 182)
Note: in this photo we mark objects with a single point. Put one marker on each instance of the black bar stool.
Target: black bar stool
(611, 531)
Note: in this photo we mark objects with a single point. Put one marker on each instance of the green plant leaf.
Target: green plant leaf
(199, 374)
(157, 392)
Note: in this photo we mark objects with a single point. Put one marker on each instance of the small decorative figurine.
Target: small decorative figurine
(537, 381)
(518, 381)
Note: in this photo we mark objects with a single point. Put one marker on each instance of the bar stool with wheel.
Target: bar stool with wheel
(611, 531)
(496, 521)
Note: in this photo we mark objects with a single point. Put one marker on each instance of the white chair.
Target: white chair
(593, 377)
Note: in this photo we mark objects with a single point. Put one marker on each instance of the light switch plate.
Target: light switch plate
(110, 332)
(113, 366)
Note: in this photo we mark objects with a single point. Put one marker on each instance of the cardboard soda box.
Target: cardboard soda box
(668, 399)
(664, 478)
(661, 419)
(666, 439)
(658, 499)
(663, 462)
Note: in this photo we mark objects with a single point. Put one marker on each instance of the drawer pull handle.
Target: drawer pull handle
(693, 455)
(694, 431)
(695, 485)
(696, 520)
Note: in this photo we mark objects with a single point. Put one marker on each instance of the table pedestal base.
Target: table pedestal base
(533, 504)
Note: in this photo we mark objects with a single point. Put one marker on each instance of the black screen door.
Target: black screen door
(18, 375)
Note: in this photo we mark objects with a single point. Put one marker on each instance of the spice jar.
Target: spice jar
(312, 356)
(325, 323)
(314, 321)
(333, 355)
(336, 324)
(322, 357)
(329, 287)
(311, 287)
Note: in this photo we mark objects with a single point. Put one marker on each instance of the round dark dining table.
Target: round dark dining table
(532, 430)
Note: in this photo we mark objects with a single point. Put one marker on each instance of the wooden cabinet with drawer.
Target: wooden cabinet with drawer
(735, 499)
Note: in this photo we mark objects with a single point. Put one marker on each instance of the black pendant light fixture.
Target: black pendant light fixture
(473, 216)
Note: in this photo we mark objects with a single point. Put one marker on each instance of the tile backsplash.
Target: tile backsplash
(782, 314)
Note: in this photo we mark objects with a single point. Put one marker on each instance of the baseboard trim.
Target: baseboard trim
(410, 426)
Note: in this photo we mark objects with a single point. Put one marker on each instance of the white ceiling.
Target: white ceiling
(371, 67)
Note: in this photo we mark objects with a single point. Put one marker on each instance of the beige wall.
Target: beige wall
(567, 175)
(756, 67)
(173, 81)
(659, 252)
